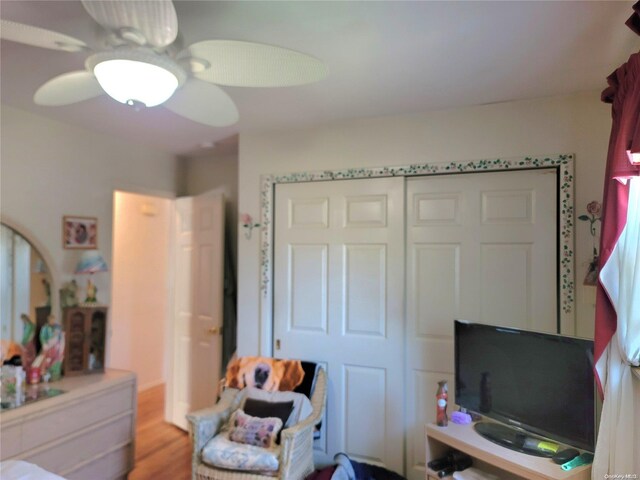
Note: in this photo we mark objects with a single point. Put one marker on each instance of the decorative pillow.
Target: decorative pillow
(260, 432)
(263, 409)
(302, 407)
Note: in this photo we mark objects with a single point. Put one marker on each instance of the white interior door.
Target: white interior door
(480, 247)
(338, 300)
(197, 344)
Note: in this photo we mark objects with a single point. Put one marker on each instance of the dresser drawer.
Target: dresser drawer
(79, 447)
(113, 465)
(11, 441)
(53, 424)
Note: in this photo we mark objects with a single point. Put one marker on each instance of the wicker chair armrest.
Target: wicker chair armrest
(292, 432)
(297, 441)
(319, 397)
(206, 423)
(297, 449)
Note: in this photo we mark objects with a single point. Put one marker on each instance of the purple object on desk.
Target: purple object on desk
(461, 418)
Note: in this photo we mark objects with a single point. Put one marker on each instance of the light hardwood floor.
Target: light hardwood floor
(163, 451)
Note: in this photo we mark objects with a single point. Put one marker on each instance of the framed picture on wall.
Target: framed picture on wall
(79, 232)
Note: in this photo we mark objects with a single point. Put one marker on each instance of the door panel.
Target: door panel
(308, 285)
(480, 247)
(505, 285)
(365, 408)
(181, 384)
(309, 213)
(197, 343)
(338, 299)
(437, 275)
(364, 290)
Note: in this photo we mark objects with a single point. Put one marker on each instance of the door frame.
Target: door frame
(563, 163)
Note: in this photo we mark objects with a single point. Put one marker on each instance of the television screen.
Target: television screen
(539, 382)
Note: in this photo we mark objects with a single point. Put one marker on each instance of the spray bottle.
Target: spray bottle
(442, 397)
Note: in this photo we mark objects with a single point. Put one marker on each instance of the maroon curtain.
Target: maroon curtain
(624, 149)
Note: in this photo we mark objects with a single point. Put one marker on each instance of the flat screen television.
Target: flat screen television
(536, 382)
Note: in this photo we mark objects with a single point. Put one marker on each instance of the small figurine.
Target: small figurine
(28, 341)
(92, 292)
(47, 291)
(68, 294)
(50, 358)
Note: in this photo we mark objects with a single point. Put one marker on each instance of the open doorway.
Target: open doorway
(141, 299)
(167, 296)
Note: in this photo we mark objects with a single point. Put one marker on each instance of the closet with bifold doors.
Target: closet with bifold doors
(369, 274)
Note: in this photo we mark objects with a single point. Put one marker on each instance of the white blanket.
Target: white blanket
(19, 470)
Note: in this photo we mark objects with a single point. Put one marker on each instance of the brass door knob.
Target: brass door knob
(213, 330)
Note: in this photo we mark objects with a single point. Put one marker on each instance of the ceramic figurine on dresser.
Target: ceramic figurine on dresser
(49, 361)
(28, 341)
(69, 294)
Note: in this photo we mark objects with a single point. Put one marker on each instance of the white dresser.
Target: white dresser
(86, 433)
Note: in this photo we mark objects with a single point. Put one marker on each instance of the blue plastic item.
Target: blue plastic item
(461, 418)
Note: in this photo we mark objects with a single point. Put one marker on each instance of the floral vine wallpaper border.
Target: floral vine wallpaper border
(563, 162)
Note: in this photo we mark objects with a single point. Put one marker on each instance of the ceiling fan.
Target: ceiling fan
(140, 65)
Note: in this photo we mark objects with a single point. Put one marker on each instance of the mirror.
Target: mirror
(26, 283)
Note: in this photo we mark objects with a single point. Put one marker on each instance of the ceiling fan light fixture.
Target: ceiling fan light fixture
(130, 82)
(134, 77)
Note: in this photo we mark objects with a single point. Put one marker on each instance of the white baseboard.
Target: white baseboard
(149, 385)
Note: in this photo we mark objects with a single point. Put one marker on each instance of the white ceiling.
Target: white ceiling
(384, 58)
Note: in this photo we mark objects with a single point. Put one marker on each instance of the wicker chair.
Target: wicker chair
(296, 455)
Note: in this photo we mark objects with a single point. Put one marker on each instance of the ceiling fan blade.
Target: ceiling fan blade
(156, 20)
(246, 64)
(68, 88)
(39, 37)
(203, 103)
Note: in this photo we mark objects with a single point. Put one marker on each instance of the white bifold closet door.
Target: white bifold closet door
(480, 247)
(339, 300)
(370, 274)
